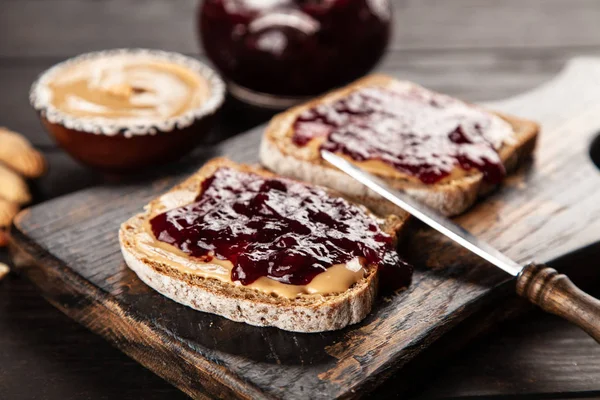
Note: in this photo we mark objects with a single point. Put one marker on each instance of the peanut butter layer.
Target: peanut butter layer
(127, 88)
(274, 228)
(187, 241)
(385, 170)
(403, 131)
(336, 279)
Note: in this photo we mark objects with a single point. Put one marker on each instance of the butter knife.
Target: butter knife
(542, 285)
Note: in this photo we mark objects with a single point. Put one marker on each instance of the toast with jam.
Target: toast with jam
(246, 244)
(442, 151)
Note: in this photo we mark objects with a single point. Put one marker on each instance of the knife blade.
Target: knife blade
(540, 284)
(426, 215)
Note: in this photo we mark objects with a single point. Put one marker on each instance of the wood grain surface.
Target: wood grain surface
(419, 24)
(463, 48)
(69, 249)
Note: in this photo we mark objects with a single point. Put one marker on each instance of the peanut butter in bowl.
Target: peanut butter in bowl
(128, 90)
(121, 110)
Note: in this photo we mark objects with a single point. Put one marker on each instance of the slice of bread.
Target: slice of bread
(305, 313)
(450, 197)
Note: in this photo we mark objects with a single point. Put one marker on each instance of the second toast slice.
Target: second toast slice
(292, 140)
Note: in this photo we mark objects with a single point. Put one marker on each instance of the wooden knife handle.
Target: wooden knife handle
(555, 293)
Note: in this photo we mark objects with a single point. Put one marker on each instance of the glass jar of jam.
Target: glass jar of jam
(276, 53)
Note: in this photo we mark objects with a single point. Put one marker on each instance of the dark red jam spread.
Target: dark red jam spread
(277, 228)
(417, 132)
(294, 47)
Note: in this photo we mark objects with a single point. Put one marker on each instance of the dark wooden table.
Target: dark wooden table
(474, 49)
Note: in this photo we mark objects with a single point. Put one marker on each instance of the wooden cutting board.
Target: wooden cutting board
(68, 247)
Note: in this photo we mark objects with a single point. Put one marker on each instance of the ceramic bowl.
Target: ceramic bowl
(114, 146)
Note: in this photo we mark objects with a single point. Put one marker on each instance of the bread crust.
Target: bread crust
(449, 198)
(310, 313)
